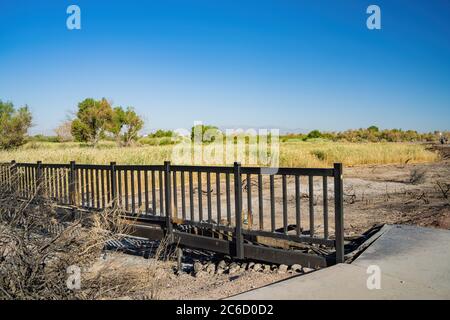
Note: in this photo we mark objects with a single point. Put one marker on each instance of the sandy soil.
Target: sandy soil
(403, 194)
(217, 286)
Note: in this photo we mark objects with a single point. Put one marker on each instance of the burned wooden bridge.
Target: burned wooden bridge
(245, 212)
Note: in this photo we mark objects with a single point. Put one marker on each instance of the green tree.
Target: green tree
(162, 134)
(314, 134)
(93, 118)
(116, 124)
(132, 125)
(125, 125)
(14, 125)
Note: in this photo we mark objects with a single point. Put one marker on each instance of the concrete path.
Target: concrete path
(414, 264)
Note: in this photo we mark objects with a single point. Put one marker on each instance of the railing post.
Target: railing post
(13, 176)
(339, 212)
(72, 183)
(113, 184)
(238, 208)
(38, 181)
(168, 204)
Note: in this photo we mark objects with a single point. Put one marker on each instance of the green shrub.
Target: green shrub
(14, 125)
(319, 154)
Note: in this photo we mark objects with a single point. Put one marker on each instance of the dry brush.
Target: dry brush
(39, 242)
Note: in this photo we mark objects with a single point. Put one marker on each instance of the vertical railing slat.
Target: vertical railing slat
(175, 195)
(60, 185)
(298, 196)
(161, 193)
(238, 211)
(208, 196)
(191, 195)
(272, 203)
(228, 196)
(168, 205)
(66, 194)
(339, 212)
(139, 188)
(88, 198)
(133, 195)
(83, 186)
(146, 191)
(200, 196)
(285, 213)
(113, 185)
(311, 205)
(103, 184)
(108, 186)
(92, 188)
(219, 211)
(153, 193)
(260, 202)
(125, 182)
(325, 207)
(72, 184)
(97, 188)
(183, 196)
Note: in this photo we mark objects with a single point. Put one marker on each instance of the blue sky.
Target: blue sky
(274, 64)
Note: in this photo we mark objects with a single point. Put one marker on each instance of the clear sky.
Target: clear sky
(273, 64)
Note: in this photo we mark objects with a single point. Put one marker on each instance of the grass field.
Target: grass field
(292, 154)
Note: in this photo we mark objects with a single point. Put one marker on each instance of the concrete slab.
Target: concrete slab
(414, 264)
(412, 254)
(343, 281)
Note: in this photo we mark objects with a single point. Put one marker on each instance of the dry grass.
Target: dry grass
(38, 242)
(319, 154)
(292, 154)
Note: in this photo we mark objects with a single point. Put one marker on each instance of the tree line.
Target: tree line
(370, 134)
(94, 120)
(98, 119)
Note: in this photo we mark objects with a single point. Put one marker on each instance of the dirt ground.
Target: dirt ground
(167, 283)
(416, 194)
